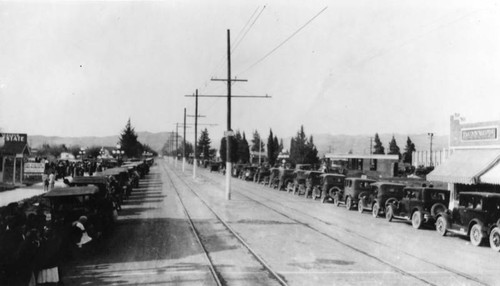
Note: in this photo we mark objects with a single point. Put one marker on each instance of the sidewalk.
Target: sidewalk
(20, 194)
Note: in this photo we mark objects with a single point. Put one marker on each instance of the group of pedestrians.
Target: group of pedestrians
(30, 250)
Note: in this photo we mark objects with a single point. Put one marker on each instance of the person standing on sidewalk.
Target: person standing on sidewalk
(52, 180)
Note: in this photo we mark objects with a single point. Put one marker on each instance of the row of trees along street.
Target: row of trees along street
(406, 157)
(302, 148)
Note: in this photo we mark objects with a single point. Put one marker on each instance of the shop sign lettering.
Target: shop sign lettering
(479, 134)
(30, 167)
(15, 137)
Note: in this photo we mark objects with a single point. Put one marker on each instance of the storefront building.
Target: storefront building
(13, 154)
(473, 164)
(374, 165)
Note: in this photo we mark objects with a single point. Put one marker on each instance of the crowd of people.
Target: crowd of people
(32, 249)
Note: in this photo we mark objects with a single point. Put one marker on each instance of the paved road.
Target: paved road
(303, 241)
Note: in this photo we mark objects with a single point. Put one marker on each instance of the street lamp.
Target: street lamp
(118, 152)
(81, 152)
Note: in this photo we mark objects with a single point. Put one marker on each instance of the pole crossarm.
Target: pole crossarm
(197, 116)
(217, 79)
(241, 96)
(180, 125)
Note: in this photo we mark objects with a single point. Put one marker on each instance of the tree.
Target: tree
(409, 149)
(270, 148)
(204, 145)
(243, 150)
(378, 148)
(302, 150)
(257, 144)
(394, 148)
(129, 143)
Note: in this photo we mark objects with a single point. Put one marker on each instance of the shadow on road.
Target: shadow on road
(145, 242)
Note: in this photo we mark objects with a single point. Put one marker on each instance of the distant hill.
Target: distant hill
(154, 140)
(341, 144)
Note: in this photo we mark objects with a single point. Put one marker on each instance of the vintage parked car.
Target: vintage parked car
(477, 216)
(69, 203)
(352, 188)
(274, 174)
(247, 173)
(285, 177)
(382, 194)
(420, 205)
(297, 184)
(120, 183)
(262, 174)
(215, 166)
(330, 184)
(237, 169)
(313, 181)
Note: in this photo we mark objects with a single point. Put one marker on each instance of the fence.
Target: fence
(425, 158)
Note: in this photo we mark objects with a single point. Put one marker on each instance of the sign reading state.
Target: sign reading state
(15, 137)
(489, 133)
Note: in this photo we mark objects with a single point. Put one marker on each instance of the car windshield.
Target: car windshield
(363, 185)
(437, 196)
(333, 180)
(393, 189)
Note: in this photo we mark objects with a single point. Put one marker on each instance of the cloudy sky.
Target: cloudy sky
(357, 67)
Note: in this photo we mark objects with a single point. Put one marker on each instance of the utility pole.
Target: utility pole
(176, 143)
(195, 160)
(184, 148)
(229, 132)
(430, 154)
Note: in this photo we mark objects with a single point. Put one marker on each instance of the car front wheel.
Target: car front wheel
(417, 220)
(348, 203)
(476, 235)
(375, 210)
(389, 213)
(495, 239)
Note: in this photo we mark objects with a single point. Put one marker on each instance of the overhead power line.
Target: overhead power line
(286, 40)
(246, 32)
(245, 26)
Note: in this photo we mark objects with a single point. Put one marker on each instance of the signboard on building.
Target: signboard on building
(15, 137)
(477, 134)
(34, 168)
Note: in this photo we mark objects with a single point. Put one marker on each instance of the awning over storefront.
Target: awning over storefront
(492, 176)
(465, 166)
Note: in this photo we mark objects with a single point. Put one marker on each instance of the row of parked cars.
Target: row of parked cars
(477, 214)
(98, 197)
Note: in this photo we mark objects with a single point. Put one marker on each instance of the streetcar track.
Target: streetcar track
(463, 275)
(216, 274)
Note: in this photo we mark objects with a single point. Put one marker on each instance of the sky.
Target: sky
(83, 68)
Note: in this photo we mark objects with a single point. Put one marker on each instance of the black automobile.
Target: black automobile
(382, 194)
(420, 205)
(477, 216)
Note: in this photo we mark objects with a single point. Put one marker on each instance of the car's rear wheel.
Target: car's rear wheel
(360, 207)
(476, 235)
(389, 213)
(495, 239)
(417, 219)
(375, 210)
(348, 203)
(441, 226)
